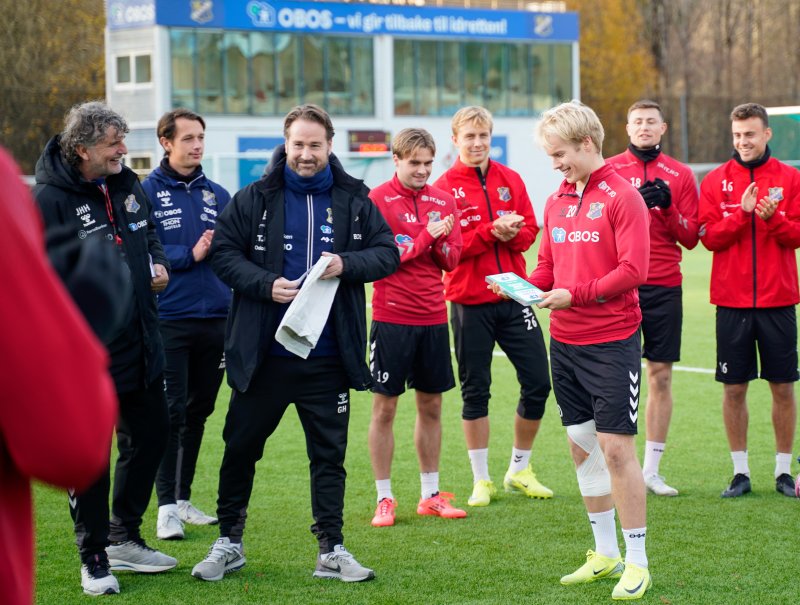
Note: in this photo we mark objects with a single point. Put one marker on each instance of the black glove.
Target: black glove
(656, 193)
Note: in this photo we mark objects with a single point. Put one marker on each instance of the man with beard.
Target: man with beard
(83, 188)
(273, 231)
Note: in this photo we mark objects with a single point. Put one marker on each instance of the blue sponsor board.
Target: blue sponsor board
(363, 19)
(251, 169)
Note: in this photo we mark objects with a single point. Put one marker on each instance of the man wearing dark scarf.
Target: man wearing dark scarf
(670, 191)
(270, 235)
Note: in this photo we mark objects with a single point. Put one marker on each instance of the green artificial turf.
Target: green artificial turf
(702, 549)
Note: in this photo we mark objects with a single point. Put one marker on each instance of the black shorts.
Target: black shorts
(598, 382)
(662, 319)
(740, 331)
(417, 355)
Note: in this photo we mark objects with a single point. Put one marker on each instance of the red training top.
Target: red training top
(59, 405)
(414, 295)
(754, 264)
(668, 227)
(481, 200)
(597, 246)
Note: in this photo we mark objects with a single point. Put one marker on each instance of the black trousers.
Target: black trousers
(476, 328)
(141, 437)
(318, 388)
(193, 373)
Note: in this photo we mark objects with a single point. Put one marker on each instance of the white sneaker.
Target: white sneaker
(96, 579)
(341, 565)
(655, 484)
(194, 516)
(169, 525)
(223, 557)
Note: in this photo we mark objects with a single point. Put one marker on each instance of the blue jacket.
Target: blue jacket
(181, 212)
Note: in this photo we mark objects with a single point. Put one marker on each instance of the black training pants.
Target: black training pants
(141, 437)
(193, 372)
(319, 389)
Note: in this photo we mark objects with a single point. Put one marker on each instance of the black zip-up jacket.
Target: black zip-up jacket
(247, 254)
(60, 193)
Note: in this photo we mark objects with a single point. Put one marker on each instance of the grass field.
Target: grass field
(702, 549)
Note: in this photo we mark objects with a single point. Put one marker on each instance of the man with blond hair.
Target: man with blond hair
(498, 226)
(592, 260)
(409, 340)
(670, 192)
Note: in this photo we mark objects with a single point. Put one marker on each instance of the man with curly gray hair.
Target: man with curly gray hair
(86, 193)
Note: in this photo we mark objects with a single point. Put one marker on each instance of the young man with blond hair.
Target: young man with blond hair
(498, 226)
(592, 260)
(409, 340)
(670, 192)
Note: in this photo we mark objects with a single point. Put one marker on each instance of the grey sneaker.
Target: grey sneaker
(138, 556)
(223, 557)
(341, 565)
(169, 525)
(96, 579)
(193, 515)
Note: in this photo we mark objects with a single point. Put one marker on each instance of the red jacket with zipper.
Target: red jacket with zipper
(754, 264)
(668, 227)
(414, 295)
(481, 200)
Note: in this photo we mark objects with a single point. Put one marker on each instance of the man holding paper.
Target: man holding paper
(304, 207)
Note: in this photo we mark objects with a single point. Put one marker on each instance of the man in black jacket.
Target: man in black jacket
(84, 192)
(273, 231)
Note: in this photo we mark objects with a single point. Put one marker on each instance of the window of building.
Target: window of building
(133, 69)
(509, 79)
(140, 163)
(266, 73)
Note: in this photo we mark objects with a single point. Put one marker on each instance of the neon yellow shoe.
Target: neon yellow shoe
(525, 482)
(596, 567)
(633, 584)
(482, 493)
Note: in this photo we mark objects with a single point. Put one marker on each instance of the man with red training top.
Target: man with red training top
(498, 226)
(670, 192)
(750, 220)
(409, 341)
(592, 259)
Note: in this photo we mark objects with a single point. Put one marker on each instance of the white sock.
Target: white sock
(652, 457)
(740, 466)
(479, 459)
(519, 460)
(384, 487)
(604, 528)
(634, 546)
(430, 484)
(783, 464)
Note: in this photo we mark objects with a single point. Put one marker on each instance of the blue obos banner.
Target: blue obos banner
(361, 19)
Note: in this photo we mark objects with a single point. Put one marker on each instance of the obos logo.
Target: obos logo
(135, 14)
(584, 236)
(559, 235)
(261, 14)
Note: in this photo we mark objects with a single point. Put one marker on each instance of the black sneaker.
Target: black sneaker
(784, 484)
(738, 487)
(96, 578)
